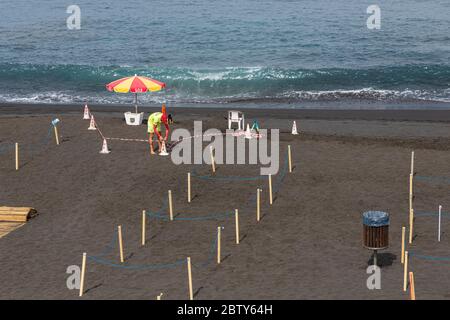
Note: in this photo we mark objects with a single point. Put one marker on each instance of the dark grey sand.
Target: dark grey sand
(307, 246)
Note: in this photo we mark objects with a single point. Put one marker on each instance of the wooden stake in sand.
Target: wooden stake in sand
(290, 158)
(439, 224)
(405, 272)
(258, 204)
(189, 187)
(411, 190)
(410, 204)
(56, 134)
(170, 205)
(212, 160)
(270, 189)
(218, 244)
(17, 156)
(143, 227)
(191, 292)
(119, 231)
(411, 177)
(412, 162)
(411, 225)
(403, 244)
(412, 290)
(83, 271)
(236, 219)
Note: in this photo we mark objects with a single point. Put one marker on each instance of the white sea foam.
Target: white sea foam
(364, 94)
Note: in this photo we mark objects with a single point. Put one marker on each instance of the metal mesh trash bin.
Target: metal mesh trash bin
(375, 231)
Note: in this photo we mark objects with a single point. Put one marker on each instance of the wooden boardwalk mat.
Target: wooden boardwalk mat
(12, 218)
(16, 214)
(7, 227)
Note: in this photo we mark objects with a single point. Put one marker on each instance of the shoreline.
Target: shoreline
(326, 113)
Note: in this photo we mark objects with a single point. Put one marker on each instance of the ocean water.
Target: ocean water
(246, 52)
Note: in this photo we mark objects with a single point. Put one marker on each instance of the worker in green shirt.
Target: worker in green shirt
(154, 126)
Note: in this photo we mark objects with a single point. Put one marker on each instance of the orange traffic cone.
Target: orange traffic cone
(86, 115)
(92, 125)
(163, 151)
(248, 133)
(105, 149)
(294, 128)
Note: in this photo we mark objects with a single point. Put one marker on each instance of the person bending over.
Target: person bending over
(154, 126)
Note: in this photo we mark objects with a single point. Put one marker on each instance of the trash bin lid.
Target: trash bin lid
(375, 218)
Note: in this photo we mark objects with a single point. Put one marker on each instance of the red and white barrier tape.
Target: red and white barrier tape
(235, 134)
(125, 139)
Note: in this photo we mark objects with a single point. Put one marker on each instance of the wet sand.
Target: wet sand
(307, 245)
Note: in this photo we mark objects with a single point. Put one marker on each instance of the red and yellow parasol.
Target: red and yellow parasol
(135, 84)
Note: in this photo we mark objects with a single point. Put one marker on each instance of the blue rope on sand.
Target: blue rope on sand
(433, 179)
(431, 258)
(217, 216)
(235, 178)
(137, 267)
(230, 178)
(277, 184)
(108, 248)
(210, 256)
(431, 214)
(7, 146)
(159, 215)
(99, 259)
(44, 141)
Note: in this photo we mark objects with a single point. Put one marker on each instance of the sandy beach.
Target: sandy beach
(307, 245)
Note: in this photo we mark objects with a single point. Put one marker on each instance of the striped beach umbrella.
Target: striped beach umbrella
(135, 84)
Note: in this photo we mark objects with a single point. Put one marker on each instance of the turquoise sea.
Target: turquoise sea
(274, 53)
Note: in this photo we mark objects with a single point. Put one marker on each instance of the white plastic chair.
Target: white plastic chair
(236, 117)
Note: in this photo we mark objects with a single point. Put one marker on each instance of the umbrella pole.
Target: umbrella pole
(135, 102)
